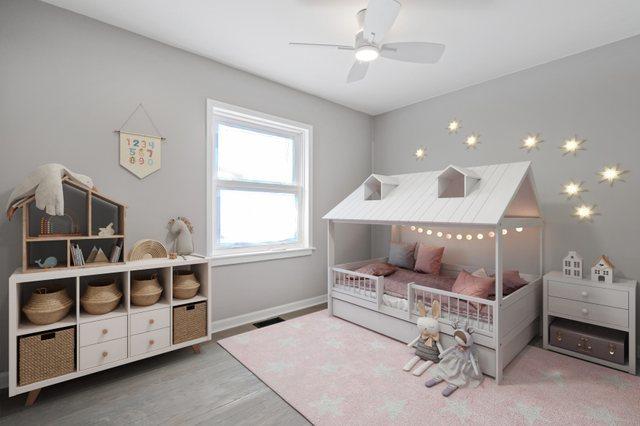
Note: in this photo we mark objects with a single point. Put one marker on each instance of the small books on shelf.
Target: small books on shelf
(115, 253)
(76, 255)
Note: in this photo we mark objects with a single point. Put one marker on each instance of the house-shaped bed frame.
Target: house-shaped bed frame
(494, 197)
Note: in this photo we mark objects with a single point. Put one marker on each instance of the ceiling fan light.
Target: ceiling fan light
(367, 53)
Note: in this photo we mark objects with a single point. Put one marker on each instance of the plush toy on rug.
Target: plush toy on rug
(427, 343)
(458, 364)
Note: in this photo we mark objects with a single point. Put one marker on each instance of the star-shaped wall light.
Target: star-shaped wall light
(453, 126)
(531, 141)
(573, 145)
(573, 189)
(420, 153)
(472, 140)
(611, 174)
(585, 212)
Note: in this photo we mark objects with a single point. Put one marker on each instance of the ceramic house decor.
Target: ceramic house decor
(572, 265)
(602, 270)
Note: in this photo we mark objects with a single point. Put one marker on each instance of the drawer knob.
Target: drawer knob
(105, 354)
(105, 331)
(585, 311)
(151, 342)
(151, 321)
(585, 294)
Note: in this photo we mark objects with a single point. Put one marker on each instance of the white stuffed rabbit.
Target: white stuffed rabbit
(427, 343)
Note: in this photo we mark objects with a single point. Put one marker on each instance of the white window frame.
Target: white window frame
(220, 112)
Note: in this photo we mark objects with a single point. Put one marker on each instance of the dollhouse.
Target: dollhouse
(572, 265)
(602, 270)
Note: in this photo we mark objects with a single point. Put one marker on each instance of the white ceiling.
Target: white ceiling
(485, 39)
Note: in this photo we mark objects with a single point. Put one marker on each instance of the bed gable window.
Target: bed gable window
(258, 192)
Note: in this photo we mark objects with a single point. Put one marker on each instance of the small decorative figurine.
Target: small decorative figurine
(572, 265)
(49, 262)
(458, 364)
(602, 270)
(427, 343)
(106, 231)
(182, 229)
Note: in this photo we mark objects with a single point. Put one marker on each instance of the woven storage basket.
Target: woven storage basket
(101, 297)
(189, 322)
(185, 284)
(46, 306)
(46, 355)
(146, 291)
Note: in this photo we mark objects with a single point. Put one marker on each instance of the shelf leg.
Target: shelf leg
(32, 397)
(196, 348)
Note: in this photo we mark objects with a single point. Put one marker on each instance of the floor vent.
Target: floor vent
(268, 322)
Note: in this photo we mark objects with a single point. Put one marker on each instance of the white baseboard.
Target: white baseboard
(227, 323)
(4, 379)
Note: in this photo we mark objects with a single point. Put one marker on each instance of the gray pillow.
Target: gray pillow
(402, 255)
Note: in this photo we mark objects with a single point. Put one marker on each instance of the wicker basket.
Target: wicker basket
(146, 291)
(185, 284)
(46, 306)
(46, 355)
(101, 298)
(189, 322)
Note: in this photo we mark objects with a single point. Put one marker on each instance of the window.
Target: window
(258, 185)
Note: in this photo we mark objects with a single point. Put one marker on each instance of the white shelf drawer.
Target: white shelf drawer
(150, 320)
(103, 353)
(583, 293)
(151, 341)
(95, 332)
(604, 315)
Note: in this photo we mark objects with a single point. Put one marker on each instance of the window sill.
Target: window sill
(261, 256)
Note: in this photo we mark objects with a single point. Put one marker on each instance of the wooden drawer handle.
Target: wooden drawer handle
(151, 321)
(151, 342)
(105, 354)
(105, 331)
(585, 294)
(585, 311)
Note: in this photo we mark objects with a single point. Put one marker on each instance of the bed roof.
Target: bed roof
(502, 191)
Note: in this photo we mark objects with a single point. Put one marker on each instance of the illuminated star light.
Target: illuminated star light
(531, 141)
(453, 126)
(584, 212)
(572, 146)
(420, 153)
(472, 140)
(573, 189)
(611, 174)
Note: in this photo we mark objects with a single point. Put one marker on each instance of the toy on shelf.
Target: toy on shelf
(181, 230)
(106, 231)
(572, 265)
(59, 225)
(427, 343)
(49, 262)
(458, 364)
(602, 270)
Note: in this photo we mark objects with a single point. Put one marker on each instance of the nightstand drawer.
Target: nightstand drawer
(604, 315)
(583, 293)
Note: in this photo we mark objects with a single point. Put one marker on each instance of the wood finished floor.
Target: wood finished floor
(175, 388)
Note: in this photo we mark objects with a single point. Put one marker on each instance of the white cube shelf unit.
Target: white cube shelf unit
(126, 334)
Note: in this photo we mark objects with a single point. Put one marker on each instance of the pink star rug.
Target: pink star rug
(335, 372)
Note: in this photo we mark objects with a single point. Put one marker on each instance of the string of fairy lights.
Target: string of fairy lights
(459, 236)
(573, 189)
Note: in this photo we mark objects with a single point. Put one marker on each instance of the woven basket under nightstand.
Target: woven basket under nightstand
(189, 322)
(45, 355)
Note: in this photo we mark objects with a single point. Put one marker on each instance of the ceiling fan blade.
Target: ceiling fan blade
(336, 46)
(357, 71)
(418, 52)
(380, 15)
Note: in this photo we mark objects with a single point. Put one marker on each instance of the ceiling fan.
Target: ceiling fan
(374, 22)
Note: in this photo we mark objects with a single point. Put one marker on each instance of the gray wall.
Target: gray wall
(67, 81)
(595, 94)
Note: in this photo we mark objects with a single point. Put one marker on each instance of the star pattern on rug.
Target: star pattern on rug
(554, 376)
(603, 415)
(382, 370)
(531, 413)
(392, 408)
(288, 342)
(616, 381)
(297, 325)
(326, 405)
(460, 409)
(333, 325)
(334, 343)
(243, 339)
(376, 345)
(278, 366)
(328, 367)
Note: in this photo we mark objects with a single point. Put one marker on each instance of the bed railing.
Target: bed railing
(356, 284)
(475, 312)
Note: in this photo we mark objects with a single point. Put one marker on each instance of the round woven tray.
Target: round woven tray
(145, 291)
(101, 297)
(46, 306)
(148, 249)
(185, 284)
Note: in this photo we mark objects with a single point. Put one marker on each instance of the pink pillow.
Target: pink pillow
(470, 285)
(511, 281)
(377, 269)
(428, 259)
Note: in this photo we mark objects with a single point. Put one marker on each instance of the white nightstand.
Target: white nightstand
(606, 305)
